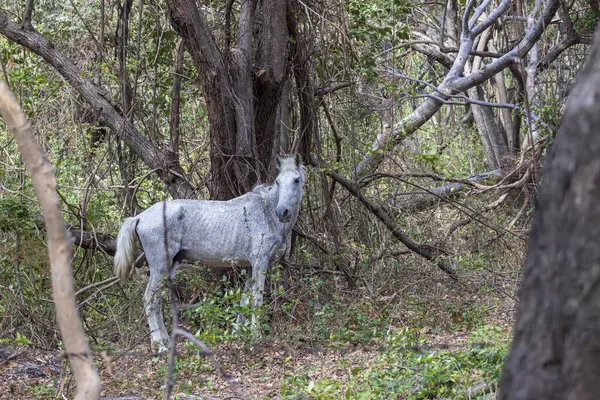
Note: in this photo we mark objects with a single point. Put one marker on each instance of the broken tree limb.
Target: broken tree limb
(59, 248)
(99, 241)
(93, 240)
(422, 200)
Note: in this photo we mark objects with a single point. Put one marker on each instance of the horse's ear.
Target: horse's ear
(298, 159)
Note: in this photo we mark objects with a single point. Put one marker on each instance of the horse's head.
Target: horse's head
(289, 184)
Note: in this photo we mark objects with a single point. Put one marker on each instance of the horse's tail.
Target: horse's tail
(125, 255)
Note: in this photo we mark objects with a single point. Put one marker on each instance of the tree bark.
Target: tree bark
(240, 70)
(556, 344)
(190, 23)
(59, 248)
(300, 53)
(492, 134)
(175, 102)
(270, 74)
(242, 87)
(169, 172)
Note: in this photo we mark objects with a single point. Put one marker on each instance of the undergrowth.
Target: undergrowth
(407, 368)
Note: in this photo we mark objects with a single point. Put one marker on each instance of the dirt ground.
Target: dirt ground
(135, 374)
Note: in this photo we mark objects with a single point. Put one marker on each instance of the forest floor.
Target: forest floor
(260, 372)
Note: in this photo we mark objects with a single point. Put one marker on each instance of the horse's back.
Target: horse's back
(215, 233)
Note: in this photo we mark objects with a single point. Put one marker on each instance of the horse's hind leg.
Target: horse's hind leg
(153, 306)
(259, 270)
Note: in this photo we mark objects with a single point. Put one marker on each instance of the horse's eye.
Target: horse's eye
(297, 180)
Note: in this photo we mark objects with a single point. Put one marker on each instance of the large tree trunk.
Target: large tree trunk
(556, 348)
(187, 20)
(305, 91)
(241, 97)
(270, 76)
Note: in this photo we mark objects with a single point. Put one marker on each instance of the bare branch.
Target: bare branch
(467, 100)
(76, 343)
(424, 46)
(322, 91)
(532, 36)
(453, 83)
(93, 240)
(493, 17)
(465, 21)
(108, 282)
(422, 200)
(478, 12)
(27, 15)
(556, 50)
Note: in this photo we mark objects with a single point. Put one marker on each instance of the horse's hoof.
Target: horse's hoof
(161, 348)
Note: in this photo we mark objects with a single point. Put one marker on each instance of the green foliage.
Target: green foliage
(549, 113)
(459, 157)
(335, 320)
(16, 217)
(342, 324)
(19, 340)
(44, 390)
(433, 158)
(374, 24)
(407, 369)
(467, 315)
(476, 261)
(214, 317)
(587, 22)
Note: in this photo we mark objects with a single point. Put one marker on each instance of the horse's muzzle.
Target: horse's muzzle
(284, 215)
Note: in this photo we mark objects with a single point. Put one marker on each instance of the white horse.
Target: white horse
(245, 231)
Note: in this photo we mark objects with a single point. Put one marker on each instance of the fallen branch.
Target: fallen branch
(99, 241)
(93, 240)
(423, 200)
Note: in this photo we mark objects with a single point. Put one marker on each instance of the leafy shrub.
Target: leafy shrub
(213, 318)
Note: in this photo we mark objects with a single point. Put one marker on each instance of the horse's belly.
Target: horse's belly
(215, 260)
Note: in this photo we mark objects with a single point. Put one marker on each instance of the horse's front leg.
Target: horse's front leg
(241, 318)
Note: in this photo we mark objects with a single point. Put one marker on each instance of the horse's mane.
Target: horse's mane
(287, 163)
(262, 187)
